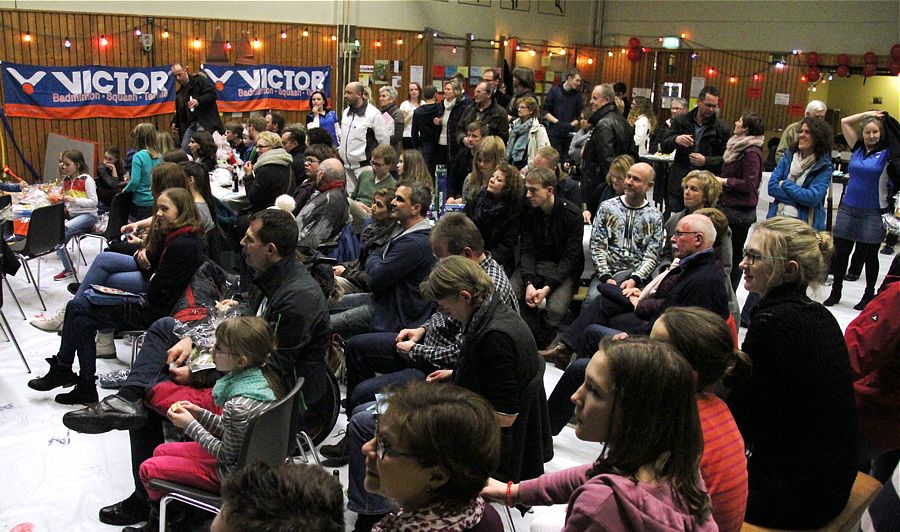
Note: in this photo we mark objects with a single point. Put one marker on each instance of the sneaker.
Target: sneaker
(106, 345)
(114, 379)
(63, 275)
(52, 324)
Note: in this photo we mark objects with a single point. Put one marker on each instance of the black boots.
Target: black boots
(84, 393)
(868, 295)
(57, 376)
(835, 297)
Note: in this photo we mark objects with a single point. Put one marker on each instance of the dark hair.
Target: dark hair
(167, 175)
(620, 86)
(282, 498)
(278, 228)
(318, 136)
(448, 426)
(525, 76)
(709, 89)
(545, 176)
(257, 122)
(572, 72)
(236, 128)
(277, 121)
(512, 190)
(76, 157)
(419, 194)
(117, 155)
(654, 420)
(207, 146)
(297, 135)
(459, 232)
(201, 182)
(754, 124)
(821, 133)
(320, 151)
(705, 340)
(324, 100)
(175, 156)
(428, 92)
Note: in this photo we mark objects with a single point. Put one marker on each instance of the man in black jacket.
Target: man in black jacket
(698, 140)
(195, 106)
(284, 294)
(486, 111)
(425, 132)
(552, 255)
(612, 136)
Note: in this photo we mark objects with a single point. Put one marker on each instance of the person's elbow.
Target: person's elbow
(505, 420)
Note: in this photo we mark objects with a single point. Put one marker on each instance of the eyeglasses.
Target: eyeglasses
(682, 233)
(311, 160)
(751, 257)
(261, 146)
(382, 448)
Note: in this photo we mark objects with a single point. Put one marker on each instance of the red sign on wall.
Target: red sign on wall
(754, 92)
(795, 109)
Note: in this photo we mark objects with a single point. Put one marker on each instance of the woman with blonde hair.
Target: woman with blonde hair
(700, 189)
(643, 121)
(271, 175)
(796, 411)
(526, 134)
(488, 156)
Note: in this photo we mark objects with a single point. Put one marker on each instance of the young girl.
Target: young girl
(109, 177)
(487, 157)
(80, 196)
(242, 348)
(147, 157)
(638, 399)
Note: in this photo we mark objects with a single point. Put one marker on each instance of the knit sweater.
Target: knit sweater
(796, 413)
(723, 464)
(626, 238)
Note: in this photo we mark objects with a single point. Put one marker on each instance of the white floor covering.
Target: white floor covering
(57, 480)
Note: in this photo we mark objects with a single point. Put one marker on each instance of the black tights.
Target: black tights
(867, 252)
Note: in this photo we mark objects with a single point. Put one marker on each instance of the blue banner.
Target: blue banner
(250, 88)
(89, 91)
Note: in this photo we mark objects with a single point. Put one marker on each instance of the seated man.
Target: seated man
(566, 188)
(378, 229)
(395, 271)
(326, 213)
(627, 235)
(696, 279)
(552, 257)
(283, 292)
(432, 346)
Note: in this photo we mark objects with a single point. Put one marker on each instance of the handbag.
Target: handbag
(104, 296)
(192, 312)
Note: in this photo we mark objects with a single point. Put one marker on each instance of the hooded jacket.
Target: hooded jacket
(271, 178)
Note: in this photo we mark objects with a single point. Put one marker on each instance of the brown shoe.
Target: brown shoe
(560, 354)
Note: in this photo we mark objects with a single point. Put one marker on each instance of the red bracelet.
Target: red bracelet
(509, 501)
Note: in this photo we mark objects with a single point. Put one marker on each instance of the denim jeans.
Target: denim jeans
(81, 223)
(351, 315)
(602, 311)
(368, 355)
(116, 271)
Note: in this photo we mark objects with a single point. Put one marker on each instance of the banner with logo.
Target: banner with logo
(89, 91)
(250, 88)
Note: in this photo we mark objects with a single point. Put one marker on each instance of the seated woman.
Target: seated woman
(80, 196)
(420, 457)
(526, 134)
(174, 250)
(700, 189)
(270, 176)
(489, 154)
(411, 166)
(203, 149)
(796, 412)
(495, 210)
(638, 400)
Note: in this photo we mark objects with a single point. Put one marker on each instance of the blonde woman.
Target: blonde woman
(643, 121)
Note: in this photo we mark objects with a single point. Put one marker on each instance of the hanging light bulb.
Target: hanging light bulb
(590, 61)
(562, 51)
(137, 32)
(623, 50)
(256, 44)
(518, 47)
(732, 79)
(505, 42)
(305, 33)
(532, 53)
(334, 37)
(228, 45)
(684, 35)
(693, 56)
(803, 78)
(609, 53)
(27, 36)
(550, 54)
(378, 43)
(492, 42)
(711, 71)
(420, 36)
(197, 44)
(67, 43)
(453, 51)
(283, 34)
(399, 41)
(756, 77)
(165, 34)
(103, 40)
(472, 37)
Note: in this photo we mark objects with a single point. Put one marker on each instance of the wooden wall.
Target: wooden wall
(411, 52)
(49, 29)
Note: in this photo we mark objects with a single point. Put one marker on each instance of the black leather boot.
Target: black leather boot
(84, 393)
(57, 376)
(868, 295)
(835, 297)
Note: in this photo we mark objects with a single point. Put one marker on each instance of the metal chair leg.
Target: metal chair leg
(74, 269)
(37, 287)
(304, 442)
(12, 337)
(16, 299)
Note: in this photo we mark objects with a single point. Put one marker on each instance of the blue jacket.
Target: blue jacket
(328, 122)
(395, 271)
(809, 196)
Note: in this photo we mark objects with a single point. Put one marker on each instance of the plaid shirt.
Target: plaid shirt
(443, 334)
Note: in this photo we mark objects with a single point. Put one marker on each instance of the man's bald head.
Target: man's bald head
(645, 171)
(701, 224)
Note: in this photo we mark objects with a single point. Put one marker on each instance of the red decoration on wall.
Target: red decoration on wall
(895, 52)
(813, 74)
(634, 42)
(795, 109)
(812, 59)
(895, 69)
(843, 71)
(633, 54)
(870, 57)
(869, 70)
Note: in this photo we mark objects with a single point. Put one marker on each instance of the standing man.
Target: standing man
(362, 128)
(814, 109)
(492, 77)
(552, 256)
(275, 122)
(698, 140)
(486, 111)
(195, 106)
(562, 108)
(612, 136)
(678, 107)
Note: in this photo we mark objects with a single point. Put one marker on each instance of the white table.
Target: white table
(237, 201)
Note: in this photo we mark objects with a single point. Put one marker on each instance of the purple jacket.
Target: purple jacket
(610, 502)
(742, 175)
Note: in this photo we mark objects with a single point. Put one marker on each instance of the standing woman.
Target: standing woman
(858, 220)
(740, 177)
(320, 115)
(796, 411)
(526, 134)
(80, 197)
(523, 87)
(800, 181)
(142, 165)
(638, 400)
(409, 105)
(452, 109)
(643, 121)
(387, 104)
(203, 149)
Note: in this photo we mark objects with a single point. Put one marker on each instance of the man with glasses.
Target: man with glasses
(492, 77)
(486, 111)
(698, 140)
(195, 106)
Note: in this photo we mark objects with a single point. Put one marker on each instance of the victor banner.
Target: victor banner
(255, 87)
(89, 91)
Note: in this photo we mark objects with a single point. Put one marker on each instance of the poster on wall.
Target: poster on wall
(382, 71)
(89, 91)
(416, 74)
(249, 88)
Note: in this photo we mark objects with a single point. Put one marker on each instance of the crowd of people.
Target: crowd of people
(443, 321)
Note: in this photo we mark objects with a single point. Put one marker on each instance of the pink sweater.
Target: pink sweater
(611, 502)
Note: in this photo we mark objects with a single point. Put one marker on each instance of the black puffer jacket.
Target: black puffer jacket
(612, 136)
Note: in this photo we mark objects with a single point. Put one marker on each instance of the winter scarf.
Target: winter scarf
(250, 383)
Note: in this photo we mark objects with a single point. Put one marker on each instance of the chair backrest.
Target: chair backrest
(270, 436)
(118, 215)
(5, 200)
(46, 231)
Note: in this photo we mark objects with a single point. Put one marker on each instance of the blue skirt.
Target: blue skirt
(859, 225)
